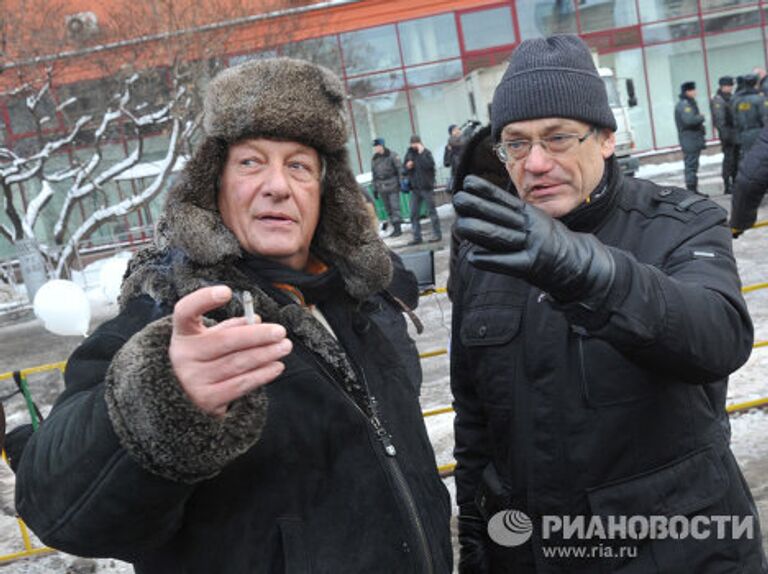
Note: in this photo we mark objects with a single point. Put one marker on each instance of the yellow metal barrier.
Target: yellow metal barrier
(29, 550)
(60, 366)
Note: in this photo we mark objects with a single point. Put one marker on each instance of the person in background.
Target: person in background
(385, 169)
(762, 83)
(750, 186)
(596, 319)
(690, 133)
(722, 119)
(749, 110)
(198, 435)
(419, 167)
(453, 150)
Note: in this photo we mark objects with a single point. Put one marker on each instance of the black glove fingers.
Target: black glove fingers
(489, 235)
(515, 263)
(485, 189)
(468, 205)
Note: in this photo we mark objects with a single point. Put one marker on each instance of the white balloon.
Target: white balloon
(63, 307)
(111, 277)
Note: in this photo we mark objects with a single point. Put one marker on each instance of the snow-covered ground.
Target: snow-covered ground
(750, 382)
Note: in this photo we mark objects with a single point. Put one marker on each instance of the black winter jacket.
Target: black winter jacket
(566, 410)
(422, 174)
(751, 184)
(318, 492)
(385, 170)
(690, 125)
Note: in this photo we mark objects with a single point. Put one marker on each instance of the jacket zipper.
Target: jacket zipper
(389, 450)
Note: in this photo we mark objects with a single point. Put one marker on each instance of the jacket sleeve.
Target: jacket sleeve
(109, 472)
(686, 317)
(719, 117)
(689, 118)
(751, 184)
(472, 443)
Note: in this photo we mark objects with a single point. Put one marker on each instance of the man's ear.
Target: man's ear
(607, 143)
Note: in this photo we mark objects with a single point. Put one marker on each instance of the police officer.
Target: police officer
(690, 132)
(749, 109)
(722, 118)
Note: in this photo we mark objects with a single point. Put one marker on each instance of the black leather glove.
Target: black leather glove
(523, 241)
(473, 536)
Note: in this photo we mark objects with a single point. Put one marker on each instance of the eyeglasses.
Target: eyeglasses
(515, 150)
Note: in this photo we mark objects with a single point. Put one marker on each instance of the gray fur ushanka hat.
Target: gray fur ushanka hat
(289, 100)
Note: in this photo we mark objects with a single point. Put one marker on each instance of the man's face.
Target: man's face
(690, 93)
(269, 198)
(726, 89)
(558, 183)
(378, 149)
(456, 131)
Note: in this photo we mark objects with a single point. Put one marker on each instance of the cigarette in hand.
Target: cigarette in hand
(250, 317)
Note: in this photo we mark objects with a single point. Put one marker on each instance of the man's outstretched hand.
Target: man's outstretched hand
(521, 240)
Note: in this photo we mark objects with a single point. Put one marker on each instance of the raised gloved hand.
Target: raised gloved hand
(523, 241)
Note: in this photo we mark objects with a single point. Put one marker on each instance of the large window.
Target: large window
(429, 39)
(597, 15)
(652, 10)
(323, 51)
(542, 18)
(669, 65)
(433, 73)
(370, 50)
(434, 109)
(385, 117)
(487, 28)
(733, 54)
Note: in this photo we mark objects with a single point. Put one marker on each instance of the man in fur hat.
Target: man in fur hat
(596, 319)
(191, 439)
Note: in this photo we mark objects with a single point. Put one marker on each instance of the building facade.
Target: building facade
(404, 63)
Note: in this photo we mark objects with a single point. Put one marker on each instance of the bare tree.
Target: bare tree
(147, 62)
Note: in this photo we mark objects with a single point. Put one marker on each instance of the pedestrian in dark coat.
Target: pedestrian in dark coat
(750, 186)
(749, 110)
(596, 319)
(453, 149)
(419, 167)
(690, 132)
(193, 440)
(722, 119)
(385, 169)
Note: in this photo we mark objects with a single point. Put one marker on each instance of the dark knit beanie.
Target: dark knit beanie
(282, 98)
(551, 78)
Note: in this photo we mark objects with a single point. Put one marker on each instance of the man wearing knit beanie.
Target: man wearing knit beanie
(596, 319)
(690, 132)
(254, 406)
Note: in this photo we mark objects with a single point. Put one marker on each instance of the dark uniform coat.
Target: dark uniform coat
(751, 184)
(749, 110)
(690, 125)
(566, 410)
